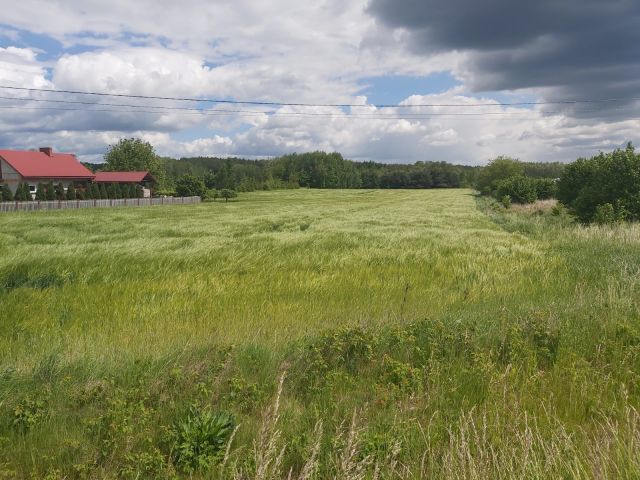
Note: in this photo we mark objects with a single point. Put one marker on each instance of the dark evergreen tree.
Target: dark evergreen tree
(71, 192)
(50, 191)
(41, 193)
(60, 193)
(7, 196)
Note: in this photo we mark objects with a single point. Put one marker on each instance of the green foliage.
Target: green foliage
(227, 194)
(104, 194)
(134, 154)
(23, 194)
(505, 200)
(605, 214)
(500, 168)
(29, 412)
(51, 192)
(190, 186)
(200, 439)
(59, 192)
(71, 192)
(521, 189)
(421, 337)
(5, 194)
(590, 188)
(40, 192)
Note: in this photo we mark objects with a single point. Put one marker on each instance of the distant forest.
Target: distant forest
(326, 170)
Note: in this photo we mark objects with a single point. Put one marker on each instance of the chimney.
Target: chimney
(47, 150)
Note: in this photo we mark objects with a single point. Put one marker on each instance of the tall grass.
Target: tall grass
(423, 334)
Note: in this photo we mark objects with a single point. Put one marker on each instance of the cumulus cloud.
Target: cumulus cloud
(564, 50)
(320, 52)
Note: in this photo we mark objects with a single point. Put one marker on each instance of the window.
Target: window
(32, 188)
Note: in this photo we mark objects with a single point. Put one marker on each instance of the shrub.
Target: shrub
(498, 169)
(50, 192)
(227, 194)
(29, 412)
(6, 194)
(71, 192)
(587, 185)
(605, 214)
(200, 439)
(545, 188)
(59, 192)
(506, 201)
(40, 192)
(190, 186)
(521, 189)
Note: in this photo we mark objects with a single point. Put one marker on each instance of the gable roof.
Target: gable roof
(41, 165)
(122, 177)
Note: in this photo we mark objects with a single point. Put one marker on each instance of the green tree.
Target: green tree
(59, 192)
(104, 194)
(50, 192)
(498, 169)
(227, 193)
(134, 154)
(71, 192)
(520, 189)
(41, 193)
(591, 187)
(190, 186)
(7, 196)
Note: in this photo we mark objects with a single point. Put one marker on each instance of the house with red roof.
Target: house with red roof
(42, 166)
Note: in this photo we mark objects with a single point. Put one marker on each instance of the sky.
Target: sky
(395, 81)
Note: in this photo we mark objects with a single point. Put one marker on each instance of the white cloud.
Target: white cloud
(311, 52)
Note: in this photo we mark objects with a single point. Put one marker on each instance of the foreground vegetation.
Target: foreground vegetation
(348, 334)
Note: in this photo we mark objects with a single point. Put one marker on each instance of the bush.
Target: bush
(506, 201)
(545, 188)
(190, 186)
(590, 188)
(498, 169)
(71, 192)
(201, 438)
(605, 214)
(50, 193)
(520, 189)
(227, 194)
(59, 192)
(6, 194)
(41, 192)
(23, 194)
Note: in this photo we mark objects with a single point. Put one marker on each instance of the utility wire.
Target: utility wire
(337, 105)
(160, 109)
(215, 113)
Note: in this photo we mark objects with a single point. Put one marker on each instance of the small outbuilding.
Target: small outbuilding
(143, 178)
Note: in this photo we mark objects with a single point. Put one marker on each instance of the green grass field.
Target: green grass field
(419, 333)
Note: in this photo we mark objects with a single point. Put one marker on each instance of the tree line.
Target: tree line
(603, 188)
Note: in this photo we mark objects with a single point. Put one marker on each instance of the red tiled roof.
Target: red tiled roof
(40, 165)
(120, 177)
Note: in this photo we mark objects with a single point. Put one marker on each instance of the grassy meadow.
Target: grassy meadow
(341, 333)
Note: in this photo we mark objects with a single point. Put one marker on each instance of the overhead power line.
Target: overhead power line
(335, 105)
(242, 113)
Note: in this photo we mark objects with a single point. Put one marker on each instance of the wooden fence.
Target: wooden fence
(121, 202)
